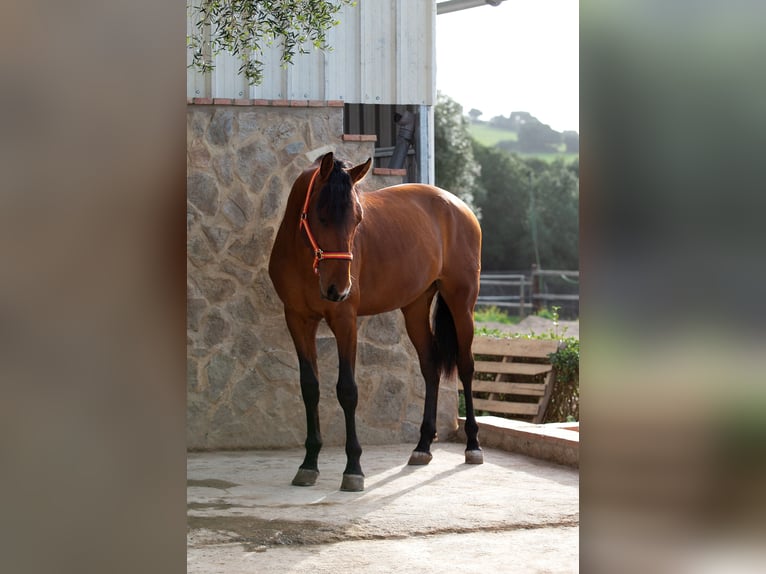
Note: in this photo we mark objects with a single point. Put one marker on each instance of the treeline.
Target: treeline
(528, 208)
(529, 211)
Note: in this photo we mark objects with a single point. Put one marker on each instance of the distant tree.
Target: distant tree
(456, 169)
(572, 141)
(515, 121)
(502, 122)
(518, 118)
(530, 209)
(475, 114)
(511, 146)
(535, 136)
(243, 27)
(574, 167)
(557, 191)
(506, 242)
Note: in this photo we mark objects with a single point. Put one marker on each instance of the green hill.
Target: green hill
(490, 136)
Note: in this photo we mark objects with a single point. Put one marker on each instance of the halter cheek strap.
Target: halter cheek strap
(319, 255)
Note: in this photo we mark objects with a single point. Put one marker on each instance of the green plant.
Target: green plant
(243, 27)
(487, 332)
(552, 313)
(566, 360)
(494, 315)
(564, 404)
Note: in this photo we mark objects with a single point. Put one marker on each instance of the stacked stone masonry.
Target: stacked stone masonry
(242, 373)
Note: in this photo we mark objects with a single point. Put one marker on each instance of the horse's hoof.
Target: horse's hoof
(306, 477)
(474, 456)
(419, 458)
(352, 483)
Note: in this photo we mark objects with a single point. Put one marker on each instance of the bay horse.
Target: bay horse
(340, 253)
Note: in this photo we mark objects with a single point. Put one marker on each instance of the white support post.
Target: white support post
(425, 144)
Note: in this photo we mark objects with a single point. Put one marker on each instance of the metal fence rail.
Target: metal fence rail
(509, 284)
(527, 293)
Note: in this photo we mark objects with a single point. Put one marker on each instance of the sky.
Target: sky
(520, 56)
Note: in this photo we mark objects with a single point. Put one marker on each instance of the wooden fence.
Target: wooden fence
(527, 293)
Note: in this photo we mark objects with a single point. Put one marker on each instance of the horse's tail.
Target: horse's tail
(445, 338)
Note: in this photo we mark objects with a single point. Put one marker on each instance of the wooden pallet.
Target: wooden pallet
(518, 368)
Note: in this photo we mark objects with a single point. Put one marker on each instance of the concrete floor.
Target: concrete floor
(512, 514)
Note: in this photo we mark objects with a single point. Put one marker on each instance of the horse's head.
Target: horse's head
(332, 213)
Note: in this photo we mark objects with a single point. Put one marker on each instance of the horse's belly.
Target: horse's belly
(393, 290)
(375, 307)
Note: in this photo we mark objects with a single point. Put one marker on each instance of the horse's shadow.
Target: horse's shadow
(369, 494)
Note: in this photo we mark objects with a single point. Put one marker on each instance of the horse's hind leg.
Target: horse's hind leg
(461, 304)
(416, 318)
(473, 452)
(303, 331)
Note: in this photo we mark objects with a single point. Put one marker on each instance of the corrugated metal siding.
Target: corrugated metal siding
(225, 79)
(197, 85)
(383, 53)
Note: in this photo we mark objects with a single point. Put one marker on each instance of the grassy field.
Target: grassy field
(549, 157)
(489, 136)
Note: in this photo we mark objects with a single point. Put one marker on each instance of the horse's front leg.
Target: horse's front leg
(303, 331)
(343, 325)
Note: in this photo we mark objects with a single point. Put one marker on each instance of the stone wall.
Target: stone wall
(242, 373)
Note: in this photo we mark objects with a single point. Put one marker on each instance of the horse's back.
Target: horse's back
(456, 223)
(434, 200)
(415, 234)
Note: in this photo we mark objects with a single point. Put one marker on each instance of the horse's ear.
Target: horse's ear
(359, 171)
(327, 165)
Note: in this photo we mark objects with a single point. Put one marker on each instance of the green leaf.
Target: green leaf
(239, 26)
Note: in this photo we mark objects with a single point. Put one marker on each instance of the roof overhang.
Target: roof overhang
(454, 5)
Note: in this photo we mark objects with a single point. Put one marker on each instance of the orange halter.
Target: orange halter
(319, 255)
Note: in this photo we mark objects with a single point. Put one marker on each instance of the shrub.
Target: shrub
(565, 399)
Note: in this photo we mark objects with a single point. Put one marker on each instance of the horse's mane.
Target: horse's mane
(335, 198)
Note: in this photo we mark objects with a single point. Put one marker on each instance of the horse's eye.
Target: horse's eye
(323, 221)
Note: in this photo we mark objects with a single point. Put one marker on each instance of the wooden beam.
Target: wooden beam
(505, 407)
(534, 348)
(531, 389)
(511, 368)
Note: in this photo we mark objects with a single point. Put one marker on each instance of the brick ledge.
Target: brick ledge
(260, 102)
(360, 138)
(554, 442)
(388, 171)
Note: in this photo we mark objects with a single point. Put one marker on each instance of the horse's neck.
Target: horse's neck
(294, 207)
(291, 234)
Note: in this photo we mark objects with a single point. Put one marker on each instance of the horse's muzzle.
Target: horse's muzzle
(334, 295)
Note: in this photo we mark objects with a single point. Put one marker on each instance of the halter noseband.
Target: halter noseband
(319, 255)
